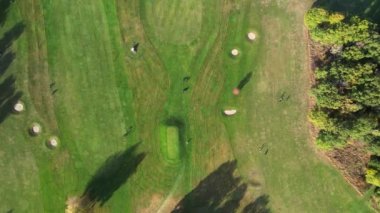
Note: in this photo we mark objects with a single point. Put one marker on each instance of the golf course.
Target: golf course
(134, 93)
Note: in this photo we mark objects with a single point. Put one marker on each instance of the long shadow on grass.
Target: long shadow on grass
(4, 7)
(10, 36)
(368, 9)
(219, 192)
(8, 92)
(260, 205)
(114, 172)
(8, 97)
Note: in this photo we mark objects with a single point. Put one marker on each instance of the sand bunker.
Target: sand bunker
(251, 36)
(19, 107)
(52, 142)
(35, 129)
(235, 52)
(230, 112)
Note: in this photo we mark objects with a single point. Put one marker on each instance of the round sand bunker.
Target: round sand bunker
(235, 52)
(19, 107)
(251, 36)
(35, 129)
(52, 142)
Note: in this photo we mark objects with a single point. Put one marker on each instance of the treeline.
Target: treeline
(347, 89)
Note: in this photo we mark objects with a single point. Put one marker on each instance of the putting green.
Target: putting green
(170, 140)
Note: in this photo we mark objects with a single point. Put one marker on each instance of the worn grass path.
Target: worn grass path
(108, 99)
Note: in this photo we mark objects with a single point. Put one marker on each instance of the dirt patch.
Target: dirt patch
(312, 54)
(158, 204)
(352, 161)
(73, 204)
(154, 204)
(169, 205)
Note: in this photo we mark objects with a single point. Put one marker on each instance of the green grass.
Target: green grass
(170, 142)
(103, 89)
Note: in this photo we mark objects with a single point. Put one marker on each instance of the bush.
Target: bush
(335, 18)
(373, 177)
(374, 162)
(328, 140)
(321, 120)
(315, 17)
(334, 28)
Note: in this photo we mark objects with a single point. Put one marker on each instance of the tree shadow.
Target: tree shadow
(244, 81)
(114, 172)
(5, 61)
(260, 205)
(367, 9)
(8, 97)
(219, 192)
(10, 36)
(8, 92)
(4, 6)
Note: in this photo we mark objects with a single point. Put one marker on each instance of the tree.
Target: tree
(328, 140)
(315, 17)
(322, 121)
(334, 28)
(347, 89)
(335, 18)
(328, 96)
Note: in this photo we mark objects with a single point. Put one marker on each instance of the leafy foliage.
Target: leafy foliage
(373, 171)
(335, 28)
(373, 177)
(347, 89)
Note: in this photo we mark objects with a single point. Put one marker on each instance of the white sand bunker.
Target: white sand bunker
(19, 106)
(235, 52)
(35, 129)
(230, 112)
(52, 142)
(251, 36)
(133, 50)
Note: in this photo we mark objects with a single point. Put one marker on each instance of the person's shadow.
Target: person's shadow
(114, 172)
(220, 192)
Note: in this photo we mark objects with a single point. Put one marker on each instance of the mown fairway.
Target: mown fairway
(107, 99)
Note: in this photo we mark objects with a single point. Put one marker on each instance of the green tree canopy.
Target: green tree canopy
(347, 89)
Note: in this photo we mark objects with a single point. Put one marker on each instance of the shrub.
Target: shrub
(373, 177)
(315, 17)
(327, 140)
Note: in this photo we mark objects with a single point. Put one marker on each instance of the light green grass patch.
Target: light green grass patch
(176, 22)
(170, 143)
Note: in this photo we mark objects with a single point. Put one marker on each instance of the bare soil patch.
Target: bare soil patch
(352, 161)
(154, 204)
